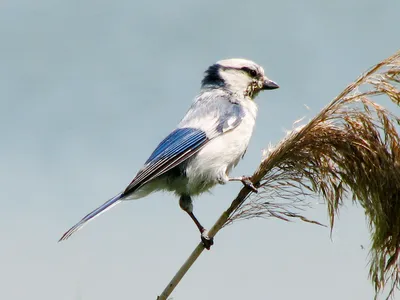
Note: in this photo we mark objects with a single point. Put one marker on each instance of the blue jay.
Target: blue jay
(209, 141)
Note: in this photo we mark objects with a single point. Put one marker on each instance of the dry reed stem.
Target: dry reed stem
(350, 148)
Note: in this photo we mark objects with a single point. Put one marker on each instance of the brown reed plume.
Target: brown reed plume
(350, 149)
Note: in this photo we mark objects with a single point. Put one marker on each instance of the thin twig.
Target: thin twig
(199, 249)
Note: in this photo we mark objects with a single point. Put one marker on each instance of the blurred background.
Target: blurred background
(89, 88)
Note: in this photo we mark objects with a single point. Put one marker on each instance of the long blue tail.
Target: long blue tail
(97, 212)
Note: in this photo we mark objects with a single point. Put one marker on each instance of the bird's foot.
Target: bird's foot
(246, 182)
(206, 240)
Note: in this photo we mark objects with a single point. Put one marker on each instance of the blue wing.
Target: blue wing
(184, 142)
(177, 147)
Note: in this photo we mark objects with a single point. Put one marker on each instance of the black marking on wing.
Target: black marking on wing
(231, 118)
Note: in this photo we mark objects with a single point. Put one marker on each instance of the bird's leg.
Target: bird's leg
(185, 202)
(246, 182)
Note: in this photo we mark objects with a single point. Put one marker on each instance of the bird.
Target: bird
(205, 146)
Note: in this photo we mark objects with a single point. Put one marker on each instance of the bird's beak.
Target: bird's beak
(269, 85)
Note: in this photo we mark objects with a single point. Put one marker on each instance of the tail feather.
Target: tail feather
(97, 212)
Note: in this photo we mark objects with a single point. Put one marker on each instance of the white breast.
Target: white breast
(215, 161)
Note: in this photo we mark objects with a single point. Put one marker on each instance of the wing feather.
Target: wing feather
(178, 146)
(186, 141)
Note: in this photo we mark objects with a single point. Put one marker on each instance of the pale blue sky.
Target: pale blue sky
(89, 88)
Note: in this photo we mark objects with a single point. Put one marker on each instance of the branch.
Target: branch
(199, 249)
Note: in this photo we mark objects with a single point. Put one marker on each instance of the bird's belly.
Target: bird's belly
(213, 163)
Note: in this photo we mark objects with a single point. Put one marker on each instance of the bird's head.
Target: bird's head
(238, 76)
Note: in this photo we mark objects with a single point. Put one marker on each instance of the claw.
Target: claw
(207, 241)
(246, 181)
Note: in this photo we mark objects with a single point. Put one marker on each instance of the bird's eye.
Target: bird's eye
(251, 72)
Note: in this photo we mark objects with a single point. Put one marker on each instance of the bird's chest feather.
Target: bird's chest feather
(215, 161)
(225, 150)
(229, 127)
